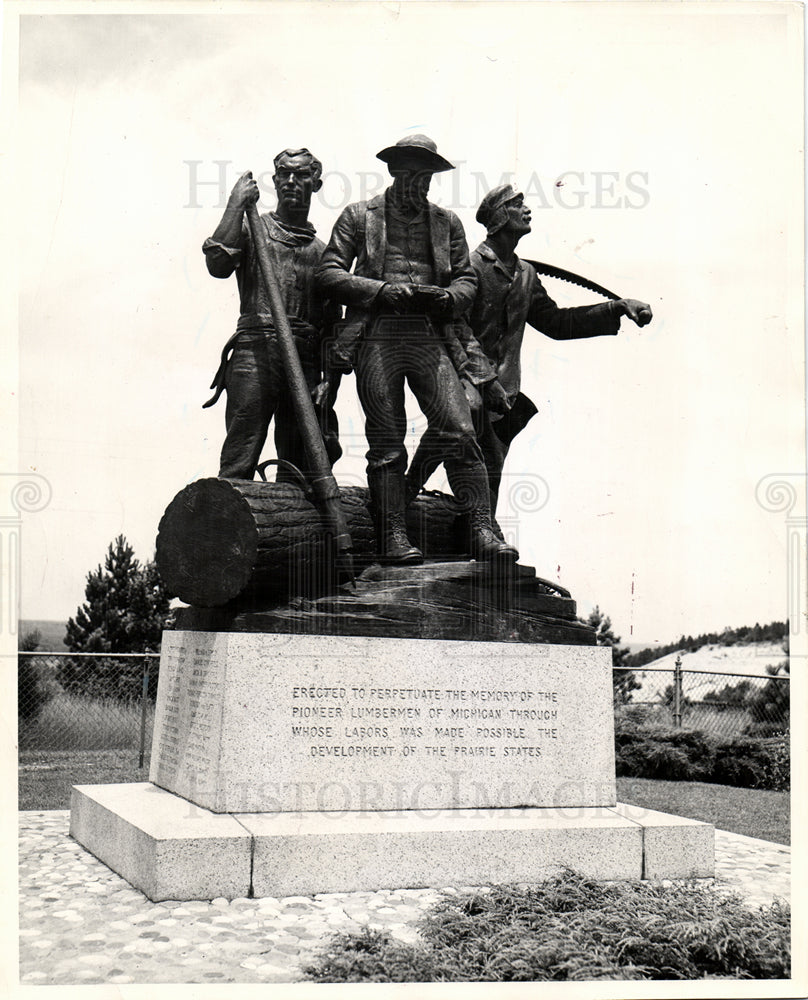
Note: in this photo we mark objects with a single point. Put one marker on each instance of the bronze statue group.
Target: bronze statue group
(396, 298)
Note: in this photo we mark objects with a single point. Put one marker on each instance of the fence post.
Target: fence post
(144, 700)
(677, 693)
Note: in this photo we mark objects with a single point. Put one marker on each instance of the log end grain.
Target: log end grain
(207, 543)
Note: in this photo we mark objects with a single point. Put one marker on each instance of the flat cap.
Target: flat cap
(488, 213)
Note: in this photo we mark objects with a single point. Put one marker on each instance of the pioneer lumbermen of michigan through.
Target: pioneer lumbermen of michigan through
(411, 282)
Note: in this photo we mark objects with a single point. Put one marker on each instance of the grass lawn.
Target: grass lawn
(72, 722)
(752, 812)
(45, 779)
(98, 741)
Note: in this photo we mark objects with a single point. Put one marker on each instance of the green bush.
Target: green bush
(676, 754)
(667, 761)
(764, 729)
(743, 762)
(572, 929)
(778, 773)
(690, 755)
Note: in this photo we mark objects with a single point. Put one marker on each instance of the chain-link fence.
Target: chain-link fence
(86, 701)
(100, 701)
(719, 704)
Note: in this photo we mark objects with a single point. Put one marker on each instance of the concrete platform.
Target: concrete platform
(160, 843)
(81, 924)
(170, 848)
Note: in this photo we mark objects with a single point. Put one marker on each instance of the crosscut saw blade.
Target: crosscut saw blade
(558, 272)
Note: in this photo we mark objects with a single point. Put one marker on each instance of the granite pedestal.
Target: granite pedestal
(276, 723)
(289, 764)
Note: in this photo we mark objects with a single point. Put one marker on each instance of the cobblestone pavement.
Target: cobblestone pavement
(80, 923)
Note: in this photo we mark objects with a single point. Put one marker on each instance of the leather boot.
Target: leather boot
(396, 546)
(470, 487)
(484, 542)
(387, 497)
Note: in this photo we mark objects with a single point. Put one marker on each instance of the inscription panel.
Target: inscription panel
(346, 723)
(454, 722)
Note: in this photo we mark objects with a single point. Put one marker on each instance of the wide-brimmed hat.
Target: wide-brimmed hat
(420, 146)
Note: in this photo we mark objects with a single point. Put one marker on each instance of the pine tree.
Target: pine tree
(30, 641)
(125, 607)
(125, 611)
(623, 681)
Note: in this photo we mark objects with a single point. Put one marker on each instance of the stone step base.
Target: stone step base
(169, 848)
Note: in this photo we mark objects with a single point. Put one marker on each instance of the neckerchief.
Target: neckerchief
(293, 236)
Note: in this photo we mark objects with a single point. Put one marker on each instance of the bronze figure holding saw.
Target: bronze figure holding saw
(509, 296)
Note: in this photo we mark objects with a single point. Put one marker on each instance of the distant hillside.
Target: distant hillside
(775, 632)
(749, 660)
(52, 634)
(636, 647)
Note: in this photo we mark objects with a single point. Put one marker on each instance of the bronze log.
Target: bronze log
(222, 539)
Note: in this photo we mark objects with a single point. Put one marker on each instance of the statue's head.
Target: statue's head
(503, 208)
(298, 174)
(412, 161)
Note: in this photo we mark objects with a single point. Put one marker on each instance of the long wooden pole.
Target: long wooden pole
(323, 484)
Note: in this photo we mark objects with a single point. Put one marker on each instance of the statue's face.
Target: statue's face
(295, 182)
(518, 215)
(412, 181)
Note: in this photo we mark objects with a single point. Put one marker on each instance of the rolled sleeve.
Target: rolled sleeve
(221, 260)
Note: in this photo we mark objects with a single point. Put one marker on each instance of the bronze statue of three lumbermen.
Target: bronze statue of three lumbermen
(418, 310)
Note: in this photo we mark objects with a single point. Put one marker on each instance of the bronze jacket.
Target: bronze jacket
(506, 303)
(360, 236)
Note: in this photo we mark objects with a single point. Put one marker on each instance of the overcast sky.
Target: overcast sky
(660, 149)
